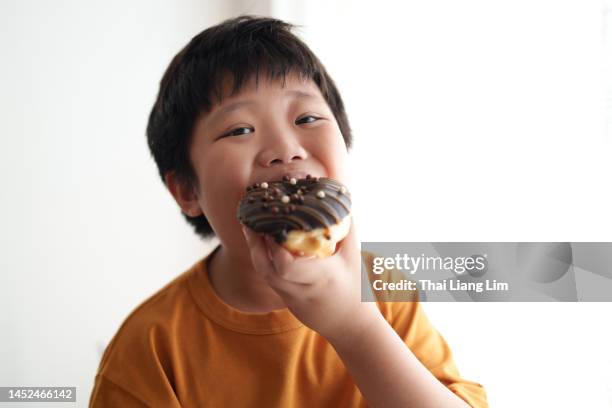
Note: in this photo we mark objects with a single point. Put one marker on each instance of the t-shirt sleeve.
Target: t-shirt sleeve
(412, 325)
(108, 394)
(135, 370)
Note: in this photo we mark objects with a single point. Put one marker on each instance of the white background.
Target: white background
(473, 121)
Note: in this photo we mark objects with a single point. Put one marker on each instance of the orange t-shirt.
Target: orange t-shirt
(185, 347)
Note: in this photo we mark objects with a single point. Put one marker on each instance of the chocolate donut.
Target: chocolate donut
(307, 216)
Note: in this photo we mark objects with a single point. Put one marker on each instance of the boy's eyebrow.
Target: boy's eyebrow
(232, 107)
(237, 105)
(299, 94)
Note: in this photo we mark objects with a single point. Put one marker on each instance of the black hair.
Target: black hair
(237, 48)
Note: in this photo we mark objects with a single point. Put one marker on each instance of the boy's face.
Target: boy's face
(261, 134)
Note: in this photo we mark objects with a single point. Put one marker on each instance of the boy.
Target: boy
(250, 325)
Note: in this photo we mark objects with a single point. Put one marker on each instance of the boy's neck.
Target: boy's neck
(237, 283)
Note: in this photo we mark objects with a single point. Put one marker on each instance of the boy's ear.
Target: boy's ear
(184, 194)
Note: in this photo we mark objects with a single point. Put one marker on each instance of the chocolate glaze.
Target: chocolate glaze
(262, 209)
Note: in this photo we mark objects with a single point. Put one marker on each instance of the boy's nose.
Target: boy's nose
(285, 159)
(282, 151)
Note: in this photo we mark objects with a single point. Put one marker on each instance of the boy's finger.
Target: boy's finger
(259, 252)
(300, 270)
(281, 258)
(296, 269)
(350, 245)
(285, 287)
(263, 264)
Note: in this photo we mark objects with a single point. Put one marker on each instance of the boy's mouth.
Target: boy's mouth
(297, 174)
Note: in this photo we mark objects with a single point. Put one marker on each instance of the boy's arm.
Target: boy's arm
(389, 374)
(325, 295)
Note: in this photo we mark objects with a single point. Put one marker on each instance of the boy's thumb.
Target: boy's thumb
(246, 233)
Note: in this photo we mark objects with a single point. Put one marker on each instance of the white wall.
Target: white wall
(473, 121)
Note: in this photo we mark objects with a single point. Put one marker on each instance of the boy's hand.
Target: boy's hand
(323, 293)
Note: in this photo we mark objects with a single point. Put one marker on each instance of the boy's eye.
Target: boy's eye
(239, 131)
(306, 119)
